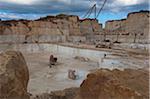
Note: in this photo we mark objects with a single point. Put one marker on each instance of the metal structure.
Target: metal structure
(90, 12)
(101, 8)
(94, 9)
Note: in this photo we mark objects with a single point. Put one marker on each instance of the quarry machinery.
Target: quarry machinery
(94, 8)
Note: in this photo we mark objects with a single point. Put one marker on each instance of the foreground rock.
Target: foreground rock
(14, 76)
(107, 84)
(69, 93)
(116, 84)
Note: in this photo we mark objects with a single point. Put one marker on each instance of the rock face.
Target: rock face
(62, 28)
(136, 22)
(116, 84)
(89, 27)
(14, 76)
(67, 25)
(14, 27)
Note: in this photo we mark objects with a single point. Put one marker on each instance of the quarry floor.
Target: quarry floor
(44, 79)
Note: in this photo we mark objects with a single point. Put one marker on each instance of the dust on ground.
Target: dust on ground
(44, 79)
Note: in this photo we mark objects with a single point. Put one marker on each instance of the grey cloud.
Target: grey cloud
(79, 7)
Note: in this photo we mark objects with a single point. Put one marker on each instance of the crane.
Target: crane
(94, 8)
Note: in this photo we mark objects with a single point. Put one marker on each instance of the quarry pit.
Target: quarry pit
(44, 79)
(115, 59)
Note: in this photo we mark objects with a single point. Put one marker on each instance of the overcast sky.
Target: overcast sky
(32, 9)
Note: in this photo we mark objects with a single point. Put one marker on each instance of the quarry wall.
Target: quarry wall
(67, 25)
(12, 38)
(64, 50)
(44, 38)
(77, 39)
(135, 23)
(53, 48)
(63, 28)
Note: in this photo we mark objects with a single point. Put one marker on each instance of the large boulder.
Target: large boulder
(116, 84)
(107, 84)
(14, 76)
